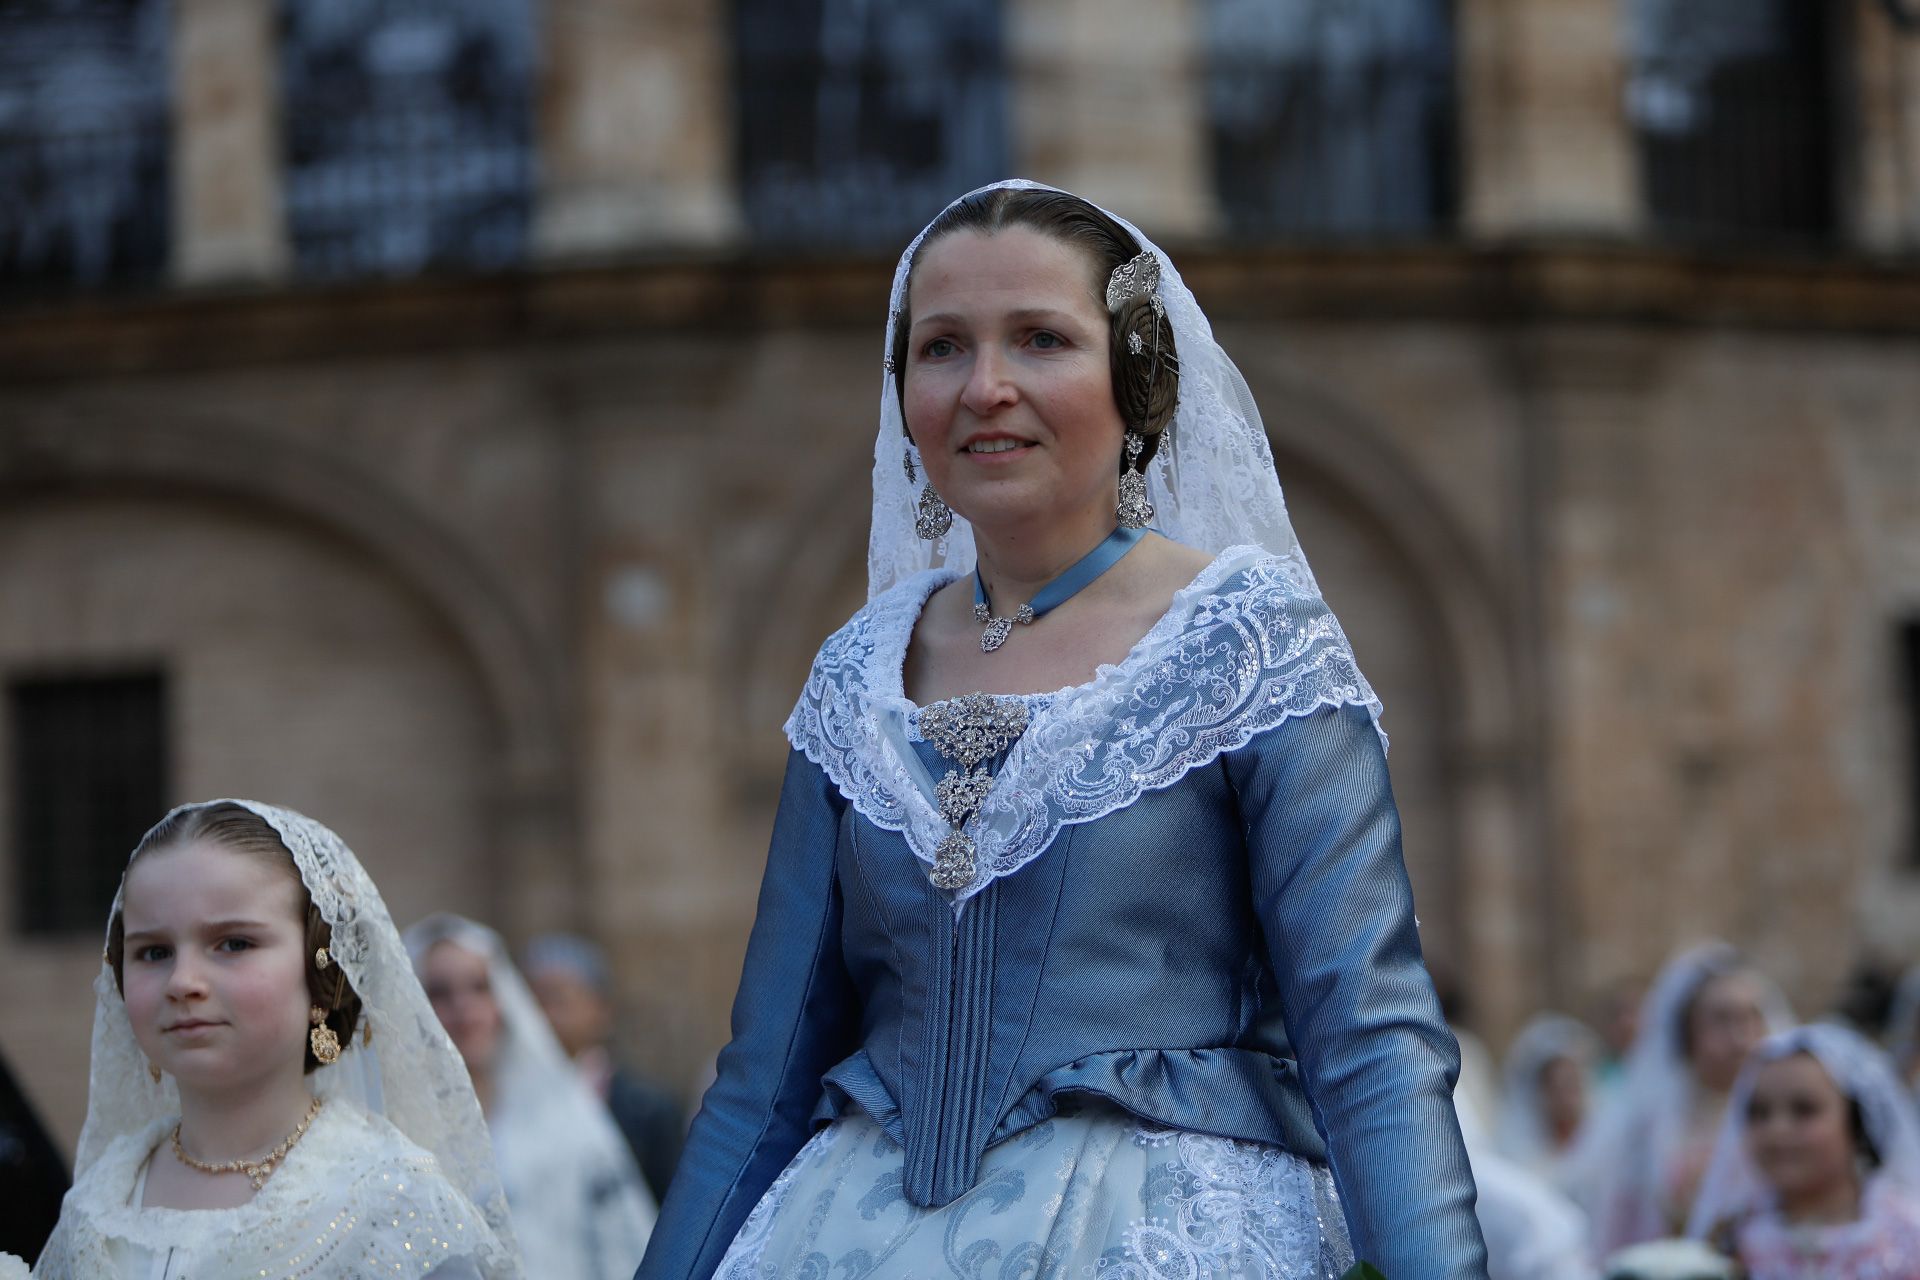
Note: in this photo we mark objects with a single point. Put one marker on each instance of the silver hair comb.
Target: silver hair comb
(1138, 277)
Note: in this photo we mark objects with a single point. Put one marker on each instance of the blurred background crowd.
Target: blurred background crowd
(453, 419)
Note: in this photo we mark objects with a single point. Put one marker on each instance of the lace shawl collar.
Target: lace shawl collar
(1246, 646)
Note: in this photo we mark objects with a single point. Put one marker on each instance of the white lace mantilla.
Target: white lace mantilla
(1246, 646)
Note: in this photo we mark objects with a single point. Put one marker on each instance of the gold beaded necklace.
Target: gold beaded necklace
(257, 1171)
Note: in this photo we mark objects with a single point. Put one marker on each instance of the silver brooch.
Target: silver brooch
(971, 730)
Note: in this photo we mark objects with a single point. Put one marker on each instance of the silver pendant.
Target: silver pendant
(953, 864)
(998, 629)
(960, 795)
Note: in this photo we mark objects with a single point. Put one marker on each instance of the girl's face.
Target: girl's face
(458, 985)
(215, 967)
(1725, 1022)
(1799, 1128)
(1009, 387)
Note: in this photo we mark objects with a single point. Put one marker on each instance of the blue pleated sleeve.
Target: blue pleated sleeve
(795, 1016)
(1331, 892)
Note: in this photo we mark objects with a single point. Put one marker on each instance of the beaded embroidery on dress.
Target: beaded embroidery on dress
(1248, 645)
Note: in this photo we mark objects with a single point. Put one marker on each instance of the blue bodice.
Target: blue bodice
(1163, 957)
(1190, 904)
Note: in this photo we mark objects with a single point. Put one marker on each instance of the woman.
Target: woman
(578, 1203)
(1639, 1162)
(1547, 1078)
(1085, 824)
(270, 1095)
(1817, 1172)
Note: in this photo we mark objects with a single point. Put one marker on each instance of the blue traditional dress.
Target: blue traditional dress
(1176, 1026)
(1118, 981)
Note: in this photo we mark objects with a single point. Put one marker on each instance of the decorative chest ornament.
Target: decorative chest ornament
(969, 730)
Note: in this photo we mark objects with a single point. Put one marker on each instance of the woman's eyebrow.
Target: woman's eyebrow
(1024, 315)
(1028, 315)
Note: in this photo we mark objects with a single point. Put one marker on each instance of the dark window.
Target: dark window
(89, 777)
(1910, 674)
(408, 133)
(1732, 102)
(859, 121)
(1331, 117)
(84, 139)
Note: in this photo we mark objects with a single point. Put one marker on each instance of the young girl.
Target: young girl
(570, 1178)
(1817, 1172)
(270, 1093)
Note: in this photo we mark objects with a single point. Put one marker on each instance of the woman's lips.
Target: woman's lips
(191, 1025)
(1009, 449)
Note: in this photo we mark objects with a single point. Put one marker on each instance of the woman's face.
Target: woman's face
(1008, 390)
(1725, 1021)
(1799, 1128)
(1563, 1094)
(461, 991)
(214, 968)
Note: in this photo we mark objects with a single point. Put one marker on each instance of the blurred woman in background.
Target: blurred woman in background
(579, 1206)
(1638, 1166)
(1545, 1090)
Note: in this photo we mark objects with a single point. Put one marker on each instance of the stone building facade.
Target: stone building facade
(512, 575)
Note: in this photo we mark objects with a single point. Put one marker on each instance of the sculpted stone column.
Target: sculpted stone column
(636, 127)
(1546, 145)
(1106, 100)
(226, 143)
(1886, 60)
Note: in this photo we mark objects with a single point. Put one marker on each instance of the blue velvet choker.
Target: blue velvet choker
(1077, 577)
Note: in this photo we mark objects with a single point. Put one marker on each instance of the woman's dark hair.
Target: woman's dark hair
(242, 830)
(1862, 1140)
(1145, 387)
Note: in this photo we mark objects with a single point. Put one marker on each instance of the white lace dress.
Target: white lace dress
(354, 1198)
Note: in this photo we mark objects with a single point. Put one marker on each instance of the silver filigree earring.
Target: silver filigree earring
(932, 516)
(1134, 511)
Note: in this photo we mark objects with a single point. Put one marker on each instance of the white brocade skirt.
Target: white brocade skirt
(1091, 1193)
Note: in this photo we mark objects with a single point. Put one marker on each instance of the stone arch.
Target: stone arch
(1339, 445)
(100, 451)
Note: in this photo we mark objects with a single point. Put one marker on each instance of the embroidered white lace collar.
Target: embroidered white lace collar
(1246, 646)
